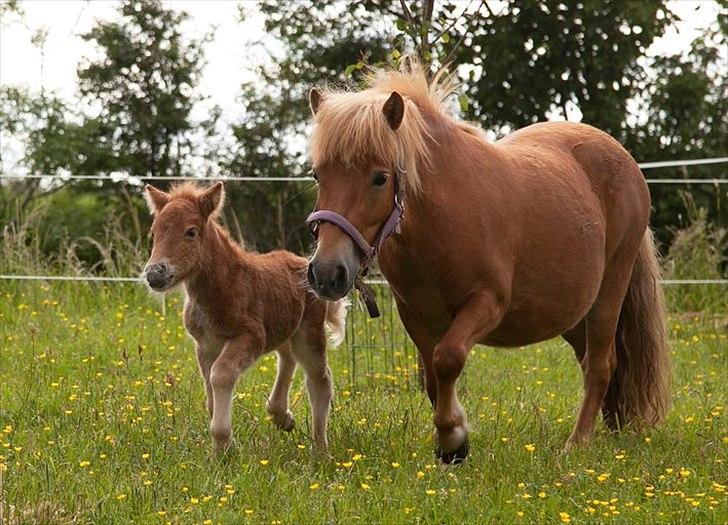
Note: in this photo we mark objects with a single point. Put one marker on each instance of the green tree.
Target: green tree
(37, 125)
(533, 58)
(269, 137)
(518, 65)
(685, 109)
(143, 86)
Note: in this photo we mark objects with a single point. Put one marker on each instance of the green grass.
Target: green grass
(102, 420)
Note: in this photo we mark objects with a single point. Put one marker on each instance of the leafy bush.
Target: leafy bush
(697, 252)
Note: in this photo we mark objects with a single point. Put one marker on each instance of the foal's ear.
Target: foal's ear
(394, 110)
(156, 198)
(314, 100)
(210, 200)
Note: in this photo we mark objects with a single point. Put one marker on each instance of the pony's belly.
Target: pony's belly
(520, 332)
(534, 317)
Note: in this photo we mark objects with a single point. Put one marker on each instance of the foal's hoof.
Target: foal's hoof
(285, 423)
(223, 447)
(288, 425)
(454, 457)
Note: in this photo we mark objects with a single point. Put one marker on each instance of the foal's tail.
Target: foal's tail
(336, 321)
(639, 392)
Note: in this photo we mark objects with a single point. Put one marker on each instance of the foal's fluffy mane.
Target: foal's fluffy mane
(350, 124)
(192, 191)
(186, 190)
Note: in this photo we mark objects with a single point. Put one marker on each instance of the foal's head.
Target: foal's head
(183, 221)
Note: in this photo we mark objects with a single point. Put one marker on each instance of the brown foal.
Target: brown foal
(239, 306)
(540, 234)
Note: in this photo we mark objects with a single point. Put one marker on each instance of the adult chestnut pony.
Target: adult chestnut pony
(540, 234)
(239, 306)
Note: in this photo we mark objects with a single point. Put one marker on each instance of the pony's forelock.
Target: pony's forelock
(350, 125)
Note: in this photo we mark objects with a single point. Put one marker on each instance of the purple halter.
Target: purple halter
(369, 251)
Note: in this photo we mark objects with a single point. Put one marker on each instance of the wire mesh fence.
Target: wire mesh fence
(378, 352)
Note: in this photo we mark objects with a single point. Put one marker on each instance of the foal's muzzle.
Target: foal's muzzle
(330, 280)
(159, 276)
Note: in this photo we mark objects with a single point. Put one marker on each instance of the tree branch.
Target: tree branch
(454, 21)
(406, 11)
(451, 53)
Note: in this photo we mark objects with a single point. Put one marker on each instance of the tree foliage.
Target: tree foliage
(143, 87)
(519, 62)
(534, 58)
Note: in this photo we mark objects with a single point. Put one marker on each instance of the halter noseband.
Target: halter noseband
(369, 251)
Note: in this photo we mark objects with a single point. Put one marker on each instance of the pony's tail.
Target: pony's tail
(336, 321)
(639, 391)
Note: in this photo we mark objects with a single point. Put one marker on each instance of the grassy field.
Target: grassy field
(102, 420)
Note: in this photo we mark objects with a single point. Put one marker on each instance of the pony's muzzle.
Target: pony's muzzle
(331, 280)
(159, 275)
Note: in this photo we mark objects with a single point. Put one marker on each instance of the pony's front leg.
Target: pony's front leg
(237, 355)
(472, 323)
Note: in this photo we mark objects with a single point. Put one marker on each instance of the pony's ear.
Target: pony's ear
(314, 100)
(156, 198)
(394, 110)
(210, 200)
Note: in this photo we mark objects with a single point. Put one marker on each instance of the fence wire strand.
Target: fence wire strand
(127, 179)
(101, 278)
(133, 178)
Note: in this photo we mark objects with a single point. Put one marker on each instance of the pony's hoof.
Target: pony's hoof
(284, 422)
(454, 457)
(288, 425)
(575, 441)
(222, 448)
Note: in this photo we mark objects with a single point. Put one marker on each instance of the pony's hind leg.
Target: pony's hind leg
(278, 401)
(309, 349)
(205, 359)
(576, 337)
(600, 358)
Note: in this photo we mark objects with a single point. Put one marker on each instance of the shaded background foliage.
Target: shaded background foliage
(520, 62)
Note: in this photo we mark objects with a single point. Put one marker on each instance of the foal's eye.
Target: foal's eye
(380, 179)
(191, 233)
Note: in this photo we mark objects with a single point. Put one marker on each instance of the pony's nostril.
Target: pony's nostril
(163, 268)
(328, 278)
(339, 275)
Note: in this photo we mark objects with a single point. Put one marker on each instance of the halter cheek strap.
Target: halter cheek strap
(369, 251)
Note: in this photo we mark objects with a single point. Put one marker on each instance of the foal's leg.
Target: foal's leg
(472, 323)
(237, 355)
(309, 349)
(205, 359)
(278, 401)
(600, 359)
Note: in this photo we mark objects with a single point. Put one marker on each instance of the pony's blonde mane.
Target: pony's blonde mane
(350, 125)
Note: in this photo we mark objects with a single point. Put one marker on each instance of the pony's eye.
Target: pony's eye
(191, 233)
(380, 179)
